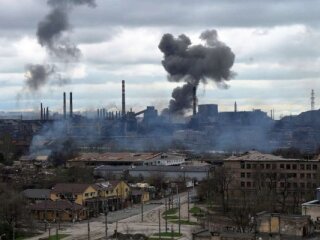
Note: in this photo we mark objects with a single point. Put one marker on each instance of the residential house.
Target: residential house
(114, 194)
(75, 192)
(36, 195)
(59, 210)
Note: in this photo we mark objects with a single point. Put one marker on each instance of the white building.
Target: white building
(165, 159)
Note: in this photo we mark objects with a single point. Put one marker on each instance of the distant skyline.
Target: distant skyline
(276, 44)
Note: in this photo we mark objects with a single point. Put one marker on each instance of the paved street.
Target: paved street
(126, 221)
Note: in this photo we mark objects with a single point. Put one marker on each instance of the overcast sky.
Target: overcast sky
(276, 43)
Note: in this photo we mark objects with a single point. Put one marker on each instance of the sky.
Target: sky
(276, 45)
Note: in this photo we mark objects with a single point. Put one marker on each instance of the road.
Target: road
(126, 221)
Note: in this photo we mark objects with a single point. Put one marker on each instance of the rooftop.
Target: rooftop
(70, 187)
(56, 205)
(37, 193)
(258, 156)
(115, 156)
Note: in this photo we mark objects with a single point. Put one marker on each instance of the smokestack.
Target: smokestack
(71, 106)
(194, 100)
(64, 106)
(123, 99)
(41, 112)
(235, 107)
(47, 113)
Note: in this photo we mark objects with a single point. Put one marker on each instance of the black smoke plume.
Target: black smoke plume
(52, 34)
(193, 64)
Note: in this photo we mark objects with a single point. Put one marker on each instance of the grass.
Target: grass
(171, 211)
(171, 217)
(184, 222)
(197, 212)
(165, 235)
(60, 236)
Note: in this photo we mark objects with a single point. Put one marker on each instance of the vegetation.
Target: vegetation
(168, 234)
(13, 213)
(60, 236)
(171, 211)
(197, 212)
(184, 222)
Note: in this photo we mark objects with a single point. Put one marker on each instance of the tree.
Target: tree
(219, 184)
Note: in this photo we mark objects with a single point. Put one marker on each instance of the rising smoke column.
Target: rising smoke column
(51, 34)
(193, 64)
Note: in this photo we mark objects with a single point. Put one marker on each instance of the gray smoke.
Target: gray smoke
(193, 64)
(52, 34)
(38, 75)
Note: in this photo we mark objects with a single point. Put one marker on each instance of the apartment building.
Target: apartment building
(254, 169)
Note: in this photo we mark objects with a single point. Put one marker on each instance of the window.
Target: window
(274, 166)
(314, 176)
(308, 166)
(282, 184)
(302, 166)
(267, 166)
(301, 175)
(242, 184)
(248, 175)
(309, 185)
(282, 166)
(242, 165)
(254, 166)
(294, 175)
(308, 175)
(302, 185)
(288, 166)
(294, 166)
(86, 194)
(248, 166)
(243, 175)
(295, 185)
(262, 166)
(248, 184)
(314, 167)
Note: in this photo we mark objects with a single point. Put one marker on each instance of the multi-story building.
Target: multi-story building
(254, 169)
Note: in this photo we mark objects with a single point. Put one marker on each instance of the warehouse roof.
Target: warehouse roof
(115, 156)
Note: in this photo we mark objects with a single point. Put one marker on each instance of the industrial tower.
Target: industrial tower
(312, 100)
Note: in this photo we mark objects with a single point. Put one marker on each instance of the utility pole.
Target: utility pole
(179, 216)
(88, 225)
(188, 205)
(159, 224)
(141, 210)
(165, 213)
(45, 215)
(13, 230)
(172, 237)
(106, 220)
(57, 224)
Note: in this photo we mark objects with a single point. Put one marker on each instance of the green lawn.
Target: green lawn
(165, 235)
(171, 211)
(171, 217)
(60, 236)
(184, 222)
(197, 212)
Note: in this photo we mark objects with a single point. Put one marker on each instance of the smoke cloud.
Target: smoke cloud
(193, 64)
(52, 34)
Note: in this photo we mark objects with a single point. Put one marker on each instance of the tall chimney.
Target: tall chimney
(47, 113)
(71, 106)
(194, 101)
(123, 99)
(41, 112)
(235, 107)
(64, 106)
